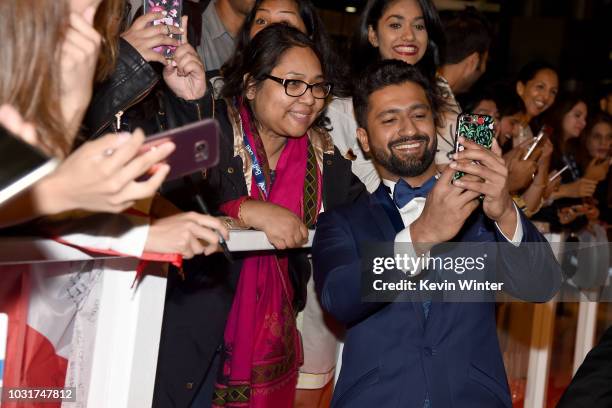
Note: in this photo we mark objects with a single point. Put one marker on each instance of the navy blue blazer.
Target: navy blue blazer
(395, 357)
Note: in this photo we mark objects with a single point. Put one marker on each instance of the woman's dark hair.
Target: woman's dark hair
(261, 55)
(554, 118)
(531, 69)
(336, 71)
(363, 53)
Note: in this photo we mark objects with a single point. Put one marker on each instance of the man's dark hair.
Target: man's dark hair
(363, 53)
(336, 71)
(466, 32)
(387, 73)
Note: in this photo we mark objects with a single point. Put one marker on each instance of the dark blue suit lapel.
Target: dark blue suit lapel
(390, 222)
(393, 220)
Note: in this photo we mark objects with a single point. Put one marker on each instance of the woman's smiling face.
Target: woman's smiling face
(401, 33)
(539, 93)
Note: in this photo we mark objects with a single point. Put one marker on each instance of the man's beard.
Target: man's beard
(411, 167)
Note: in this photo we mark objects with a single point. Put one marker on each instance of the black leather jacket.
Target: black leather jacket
(133, 96)
(131, 82)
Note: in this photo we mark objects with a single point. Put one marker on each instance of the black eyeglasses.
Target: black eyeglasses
(297, 88)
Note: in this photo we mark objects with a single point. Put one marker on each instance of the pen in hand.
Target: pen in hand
(222, 242)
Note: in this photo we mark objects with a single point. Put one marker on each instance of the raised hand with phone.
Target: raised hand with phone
(156, 40)
(145, 37)
(185, 75)
(489, 166)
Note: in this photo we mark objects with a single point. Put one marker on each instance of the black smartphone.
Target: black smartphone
(22, 165)
(474, 127)
(197, 147)
(173, 11)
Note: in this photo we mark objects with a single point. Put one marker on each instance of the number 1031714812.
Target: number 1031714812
(38, 394)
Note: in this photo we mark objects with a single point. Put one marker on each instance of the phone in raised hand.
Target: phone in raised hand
(544, 131)
(173, 10)
(474, 127)
(557, 174)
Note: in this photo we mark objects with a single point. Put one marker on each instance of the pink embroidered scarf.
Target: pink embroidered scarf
(262, 346)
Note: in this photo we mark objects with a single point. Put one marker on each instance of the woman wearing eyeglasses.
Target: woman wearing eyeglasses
(278, 169)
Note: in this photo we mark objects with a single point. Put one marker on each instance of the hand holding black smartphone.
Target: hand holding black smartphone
(21, 165)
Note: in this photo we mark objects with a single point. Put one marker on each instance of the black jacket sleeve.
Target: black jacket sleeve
(131, 82)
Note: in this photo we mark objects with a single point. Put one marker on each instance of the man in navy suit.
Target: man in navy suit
(426, 353)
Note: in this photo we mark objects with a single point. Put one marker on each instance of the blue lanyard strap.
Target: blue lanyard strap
(256, 168)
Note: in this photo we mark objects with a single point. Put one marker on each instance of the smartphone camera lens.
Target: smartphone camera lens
(201, 151)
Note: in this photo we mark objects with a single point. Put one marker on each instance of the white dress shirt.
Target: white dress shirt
(411, 211)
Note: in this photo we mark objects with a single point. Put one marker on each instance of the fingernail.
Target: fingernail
(164, 13)
(458, 182)
(182, 30)
(453, 165)
(174, 63)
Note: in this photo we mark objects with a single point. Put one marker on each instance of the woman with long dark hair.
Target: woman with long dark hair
(568, 119)
(408, 30)
(278, 169)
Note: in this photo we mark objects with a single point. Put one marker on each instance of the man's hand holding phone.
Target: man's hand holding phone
(446, 209)
(491, 168)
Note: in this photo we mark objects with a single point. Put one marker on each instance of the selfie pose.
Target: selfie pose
(432, 350)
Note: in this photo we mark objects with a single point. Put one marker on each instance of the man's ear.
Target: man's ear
(520, 88)
(251, 87)
(362, 136)
(372, 37)
(473, 62)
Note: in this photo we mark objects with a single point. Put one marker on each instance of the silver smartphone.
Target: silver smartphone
(21, 165)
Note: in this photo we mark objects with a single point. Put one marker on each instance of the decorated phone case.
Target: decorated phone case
(174, 11)
(478, 128)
